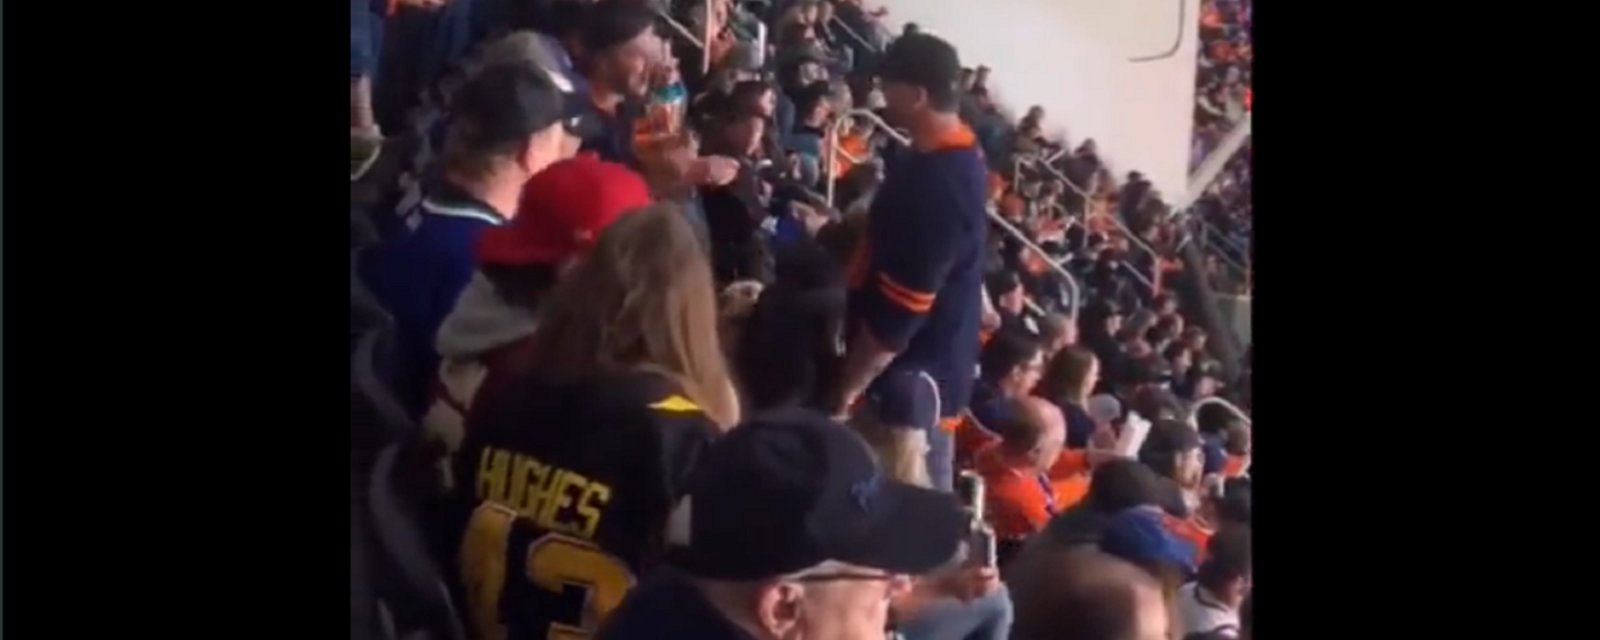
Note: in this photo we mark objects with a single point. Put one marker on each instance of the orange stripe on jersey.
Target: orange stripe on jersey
(911, 299)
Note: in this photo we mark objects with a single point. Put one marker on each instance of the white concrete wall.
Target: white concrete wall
(1071, 56)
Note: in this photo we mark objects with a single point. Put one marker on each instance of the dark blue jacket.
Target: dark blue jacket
(419, 272)
(613, 142)
(916, 280)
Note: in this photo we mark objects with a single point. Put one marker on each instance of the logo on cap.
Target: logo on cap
(866, 491)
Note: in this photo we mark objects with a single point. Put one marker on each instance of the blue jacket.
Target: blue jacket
(418, 273)
(917, 277)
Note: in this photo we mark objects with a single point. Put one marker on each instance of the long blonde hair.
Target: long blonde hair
(902, 452)
(643, 300)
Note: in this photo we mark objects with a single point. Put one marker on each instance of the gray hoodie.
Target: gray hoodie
(481, 322)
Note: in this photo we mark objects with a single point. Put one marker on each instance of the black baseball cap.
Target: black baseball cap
(790, 489)
(503, 104)
(903, 397)
(613, 22)
(922, 60)
(1169, 437)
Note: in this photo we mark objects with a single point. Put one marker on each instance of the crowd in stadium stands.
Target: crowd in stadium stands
(660, 335)
(1222, 97)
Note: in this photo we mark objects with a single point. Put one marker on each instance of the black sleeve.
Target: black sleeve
(683, 440)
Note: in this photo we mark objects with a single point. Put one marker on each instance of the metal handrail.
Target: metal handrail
(831, 146)
(682, 30)
(1236, 411)
(1126, 232)
(1072, 283)
(852, 33)
(1207, 232)
(1207, 173)
(1212, 166)
(710, 32)
(1183, 15)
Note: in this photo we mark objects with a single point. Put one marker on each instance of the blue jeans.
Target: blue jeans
(987, 618)
(366, 39)
(451, 40)
(942, 459)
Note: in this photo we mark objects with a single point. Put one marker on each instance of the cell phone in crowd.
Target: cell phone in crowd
(980, 536)
(982, 545)
(969, 490)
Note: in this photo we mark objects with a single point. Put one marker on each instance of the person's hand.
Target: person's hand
(811, 218)
(742, 292)
(714, 171)
(739, 298)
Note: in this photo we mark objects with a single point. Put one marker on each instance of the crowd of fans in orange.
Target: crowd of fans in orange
(658, 333)
(1222, 97)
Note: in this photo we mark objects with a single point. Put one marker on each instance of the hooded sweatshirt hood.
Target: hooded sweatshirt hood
(481, 322)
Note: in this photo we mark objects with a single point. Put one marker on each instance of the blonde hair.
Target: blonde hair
(902, 452)
(643, 300)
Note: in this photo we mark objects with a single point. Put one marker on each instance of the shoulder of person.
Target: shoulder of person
(657, 394)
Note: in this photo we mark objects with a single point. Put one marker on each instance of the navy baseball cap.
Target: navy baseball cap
(790, 489)
(905, 398)
(503, 103)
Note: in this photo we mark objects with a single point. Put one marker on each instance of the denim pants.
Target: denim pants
(451, 40)
(942, 459)
(366, 39)
(987, 618)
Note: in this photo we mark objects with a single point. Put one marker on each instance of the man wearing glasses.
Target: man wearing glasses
(789, 530)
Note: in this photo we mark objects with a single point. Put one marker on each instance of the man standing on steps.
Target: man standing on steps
(916, 280)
